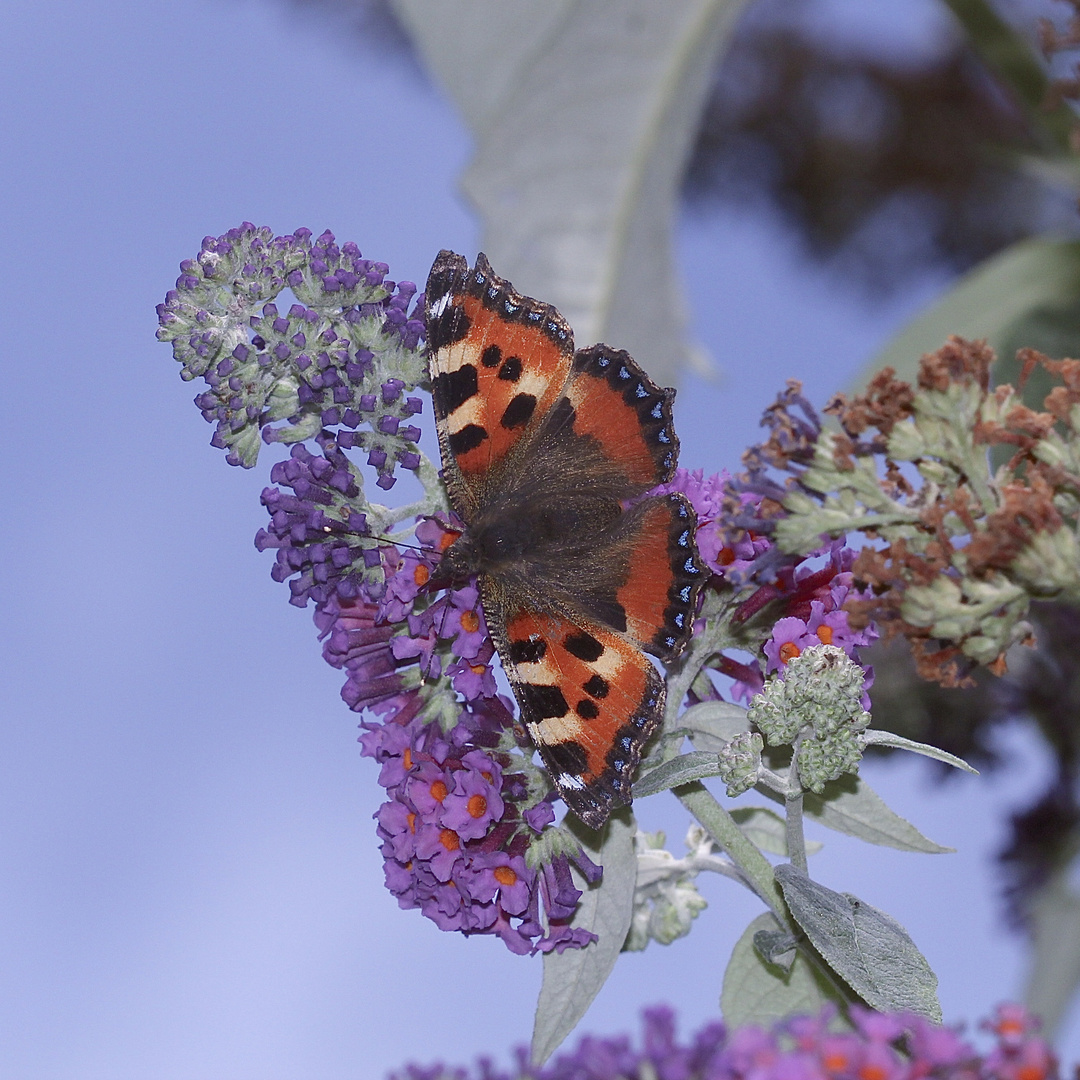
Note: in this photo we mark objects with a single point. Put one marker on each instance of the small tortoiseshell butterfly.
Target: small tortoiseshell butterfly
(546, 453)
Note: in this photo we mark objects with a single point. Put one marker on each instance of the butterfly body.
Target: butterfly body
(547, 456)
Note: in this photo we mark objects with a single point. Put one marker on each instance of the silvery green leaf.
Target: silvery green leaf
(711, 725)
(850, 806)
(1055, 968)
(870, 950)
(768, 830)
(583, 114)
(986, 302)
(681, 770)
(574, 977)
(757, 993)
(776, 947)
(874, 737)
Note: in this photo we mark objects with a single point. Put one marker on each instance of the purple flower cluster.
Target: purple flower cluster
(882, 1046)
(343, 355)
(462, 810)
(801, 597)
(455, 832)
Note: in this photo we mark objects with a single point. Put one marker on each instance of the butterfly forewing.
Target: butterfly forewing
(499, 362)
(620, 407)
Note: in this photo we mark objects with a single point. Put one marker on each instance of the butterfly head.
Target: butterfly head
(485, 549)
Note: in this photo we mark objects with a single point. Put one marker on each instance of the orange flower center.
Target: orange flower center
(421, 575)
(872, 1072)
(788, 651)
(449, 839)
(504, 875)
(438, 790)
(470, 622)
(447, 539)
(477, 806)
(726, 556)
(477, 669)
(406, 758)
(1030, 1072)
(835, 1062)
(412, 821)
(824, 634)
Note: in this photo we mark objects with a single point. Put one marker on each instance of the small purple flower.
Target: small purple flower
(474, 678)
(509, 878)
(427, 787)
(473, 805)
(440, 848)
(397, 826)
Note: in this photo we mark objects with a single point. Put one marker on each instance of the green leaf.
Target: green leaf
(574, 977)
(711, 725)
(681, 770)
(870, 950)
(767, 830)
(850, 806)
(1055, 968)
(583, 114)
(758, 993)
(876, 737)
(1010, 56)
(776, 947)
(987, 302)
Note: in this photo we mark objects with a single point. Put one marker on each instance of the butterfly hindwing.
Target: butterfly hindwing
(663, 574)
(590, 701)
(620, 407)
(499, 361)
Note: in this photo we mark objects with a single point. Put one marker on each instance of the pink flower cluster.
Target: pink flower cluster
(807, 592)
(881, 1046)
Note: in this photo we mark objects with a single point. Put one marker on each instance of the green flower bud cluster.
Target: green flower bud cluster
(816, 706)
(740, 762)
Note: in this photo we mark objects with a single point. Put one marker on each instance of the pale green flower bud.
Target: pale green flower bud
(820, 696)
(740, 762)
(666, 901)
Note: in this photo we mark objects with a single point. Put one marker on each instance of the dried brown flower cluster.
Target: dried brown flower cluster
(969, 499)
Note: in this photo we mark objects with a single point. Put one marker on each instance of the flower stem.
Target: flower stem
(793, 806)
(751, 864)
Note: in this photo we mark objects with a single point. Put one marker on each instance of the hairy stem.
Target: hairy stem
(753, 867)
(793, 807)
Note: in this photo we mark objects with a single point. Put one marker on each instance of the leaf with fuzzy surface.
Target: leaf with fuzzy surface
(584, 113)
(574, 977)
(870, 950)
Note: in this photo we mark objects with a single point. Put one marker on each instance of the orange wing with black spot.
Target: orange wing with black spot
(663, 575)
(620, 407)
(499, 362)
(590, 700)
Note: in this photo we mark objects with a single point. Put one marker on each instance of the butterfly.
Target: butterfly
(546, 454)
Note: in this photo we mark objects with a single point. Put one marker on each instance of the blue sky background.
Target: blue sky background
(189, 880)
